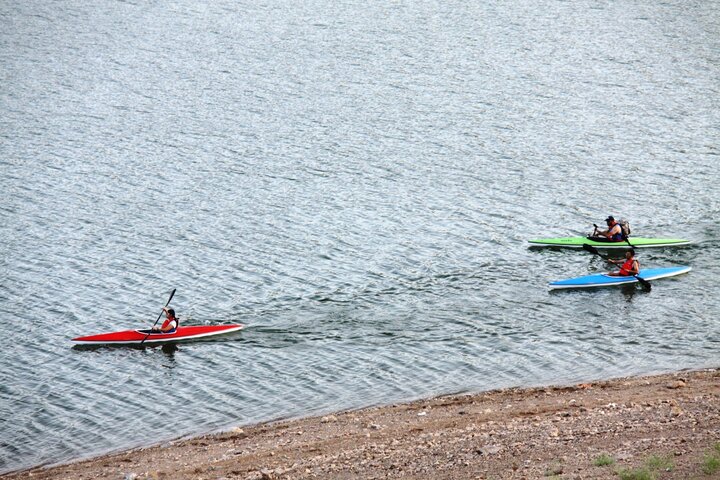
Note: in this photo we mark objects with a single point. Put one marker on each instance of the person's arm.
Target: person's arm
(635, 268)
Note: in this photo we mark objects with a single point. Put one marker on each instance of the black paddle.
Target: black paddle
(158, 319)
(625, 237)
(594, 250)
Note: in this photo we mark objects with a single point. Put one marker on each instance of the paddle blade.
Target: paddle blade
(172, 294)
(646, 285)
(590, 249)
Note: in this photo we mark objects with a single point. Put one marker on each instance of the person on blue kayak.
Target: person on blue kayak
(171, 322)
(614, 232)
(630, 266)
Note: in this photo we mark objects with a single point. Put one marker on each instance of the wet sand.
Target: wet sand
(666, 425)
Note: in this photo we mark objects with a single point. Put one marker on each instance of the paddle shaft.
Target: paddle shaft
(158, 319)
(594, 250)
(625, 237)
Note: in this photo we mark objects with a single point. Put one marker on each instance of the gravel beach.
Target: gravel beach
(664, 426)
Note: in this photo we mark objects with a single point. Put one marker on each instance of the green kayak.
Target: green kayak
(577, 242)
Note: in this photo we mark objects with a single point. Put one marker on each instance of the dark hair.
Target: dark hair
(632, 251)
(171, 312)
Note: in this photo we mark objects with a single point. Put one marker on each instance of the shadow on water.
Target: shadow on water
(632, 289)
(169, 350)
(168, 347)
(628, 290)
(96, 348)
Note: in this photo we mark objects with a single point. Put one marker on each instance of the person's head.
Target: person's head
(170, 312)
(610, 220)
(630, 253)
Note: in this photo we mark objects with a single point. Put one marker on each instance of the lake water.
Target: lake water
(354, 181)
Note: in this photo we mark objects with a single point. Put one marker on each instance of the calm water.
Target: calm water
(355, 182)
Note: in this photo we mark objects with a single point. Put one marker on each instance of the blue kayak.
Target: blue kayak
(605, 280)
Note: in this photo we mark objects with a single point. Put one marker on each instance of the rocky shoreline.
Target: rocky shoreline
(663, 426)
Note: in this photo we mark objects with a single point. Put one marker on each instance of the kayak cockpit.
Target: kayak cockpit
(156, 333)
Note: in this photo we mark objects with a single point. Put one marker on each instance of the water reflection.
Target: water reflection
(169, 351)
(629, 290)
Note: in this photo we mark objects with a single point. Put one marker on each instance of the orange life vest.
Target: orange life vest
(627, 267)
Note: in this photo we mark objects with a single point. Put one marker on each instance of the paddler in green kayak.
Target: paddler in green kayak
(628, 267)
(613, 233)
(171, 322)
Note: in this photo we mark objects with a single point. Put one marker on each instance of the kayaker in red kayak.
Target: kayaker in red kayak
(629, 267)
(613, 233)
(171, 322)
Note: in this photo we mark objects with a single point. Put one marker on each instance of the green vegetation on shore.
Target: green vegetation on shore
(653, 465)
(656, 464)
(604, 460)
(711, 461)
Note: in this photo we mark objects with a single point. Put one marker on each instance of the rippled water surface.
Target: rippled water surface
(355, 182)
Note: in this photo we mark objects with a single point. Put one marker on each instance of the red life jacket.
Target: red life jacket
(168, 322)
(627, 267)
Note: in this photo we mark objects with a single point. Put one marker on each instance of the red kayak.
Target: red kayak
(181, 334)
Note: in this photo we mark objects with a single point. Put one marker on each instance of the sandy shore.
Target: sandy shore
(665, 426)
